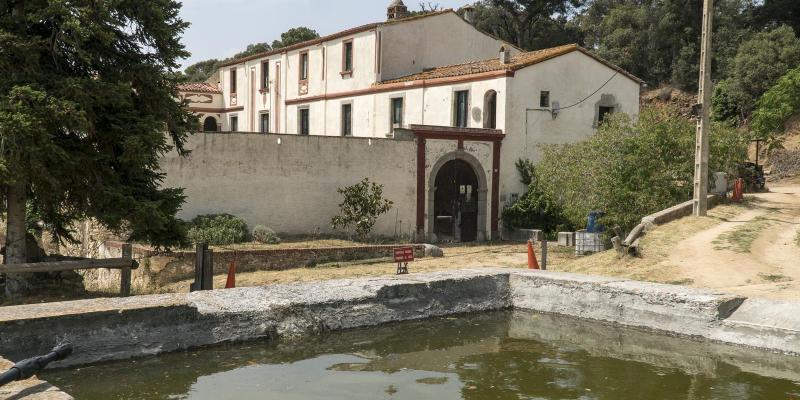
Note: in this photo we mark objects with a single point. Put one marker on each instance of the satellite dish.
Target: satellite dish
(555, 109)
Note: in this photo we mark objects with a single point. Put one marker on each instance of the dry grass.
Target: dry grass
(655, 247)
(774, 277)
(300, 243)
(740, 239)
(506, 255)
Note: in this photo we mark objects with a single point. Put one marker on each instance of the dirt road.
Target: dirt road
(755, 253)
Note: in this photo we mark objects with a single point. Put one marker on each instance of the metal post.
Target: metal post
(544, 255)
(200, 252)
(125, 272)
(208, 271)
(703, 123)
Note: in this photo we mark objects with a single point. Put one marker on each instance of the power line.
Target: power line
(593, 93)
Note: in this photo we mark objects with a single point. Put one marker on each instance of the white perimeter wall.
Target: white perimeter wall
(291, 186)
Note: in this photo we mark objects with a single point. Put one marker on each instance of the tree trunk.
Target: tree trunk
(16, 243)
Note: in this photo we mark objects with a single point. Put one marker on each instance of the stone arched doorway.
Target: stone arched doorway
(210, 124)
(457, 201)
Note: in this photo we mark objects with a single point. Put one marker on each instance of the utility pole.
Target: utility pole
(703, 123)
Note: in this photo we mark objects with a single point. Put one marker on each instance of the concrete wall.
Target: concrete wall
(289, 182)
(121, 328)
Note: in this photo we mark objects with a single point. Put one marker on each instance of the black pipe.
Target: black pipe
(27, 368)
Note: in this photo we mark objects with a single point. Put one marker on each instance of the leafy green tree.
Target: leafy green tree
(294, 36)
(780, 12)
(659, 40)
(201, 71)
(253, 49)
(530, 24)
(759, 63)
(775, 107)
(632, 168)
(363, 203)
(87, 109)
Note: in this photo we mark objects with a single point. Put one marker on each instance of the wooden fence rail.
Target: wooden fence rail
(124, 264)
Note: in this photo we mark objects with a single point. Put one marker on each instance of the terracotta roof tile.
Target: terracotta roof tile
(198, 87)
(518, 61)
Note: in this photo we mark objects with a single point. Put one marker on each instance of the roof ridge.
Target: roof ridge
(516, 63)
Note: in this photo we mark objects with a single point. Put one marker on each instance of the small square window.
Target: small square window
(397, 112)
(603, 113)
(544, 99)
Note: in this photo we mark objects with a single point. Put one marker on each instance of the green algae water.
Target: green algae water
(502, 355)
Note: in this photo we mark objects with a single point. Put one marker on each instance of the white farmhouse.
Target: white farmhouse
(429, 106)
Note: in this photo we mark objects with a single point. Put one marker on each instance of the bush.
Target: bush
(535, 209)
(630, 169)
(263, 234)
(218, 229)
(362, 205)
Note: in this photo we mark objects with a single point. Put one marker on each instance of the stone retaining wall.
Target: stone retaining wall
(159, 269)
(114, 329)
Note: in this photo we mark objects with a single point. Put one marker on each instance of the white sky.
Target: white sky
(221, 28)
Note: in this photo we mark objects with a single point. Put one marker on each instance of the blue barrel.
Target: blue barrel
(592, 224)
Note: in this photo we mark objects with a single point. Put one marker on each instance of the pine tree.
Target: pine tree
(87, 108)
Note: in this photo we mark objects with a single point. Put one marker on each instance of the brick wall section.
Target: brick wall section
(158, 269)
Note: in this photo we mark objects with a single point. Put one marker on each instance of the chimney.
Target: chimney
(396, 10)
(469, 13)
(505, 55)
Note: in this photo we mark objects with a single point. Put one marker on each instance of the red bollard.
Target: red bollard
(231, 283)
(738, 190)
(532, 263)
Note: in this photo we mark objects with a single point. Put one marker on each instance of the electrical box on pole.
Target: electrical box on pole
(703, 122)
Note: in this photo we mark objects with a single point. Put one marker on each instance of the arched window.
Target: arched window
(490, 110)
(210, 124)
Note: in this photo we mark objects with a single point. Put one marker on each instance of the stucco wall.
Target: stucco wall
(569, 79)
(289, 182)
(446, 39)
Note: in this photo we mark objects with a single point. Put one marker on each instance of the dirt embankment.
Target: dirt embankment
(670, 96)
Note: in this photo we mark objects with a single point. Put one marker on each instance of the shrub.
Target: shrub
(263, 234)
(630, 169)
(535, 209)
(362, 205)
(218, 229)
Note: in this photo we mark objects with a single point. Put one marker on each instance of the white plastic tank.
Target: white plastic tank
(720, 183)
